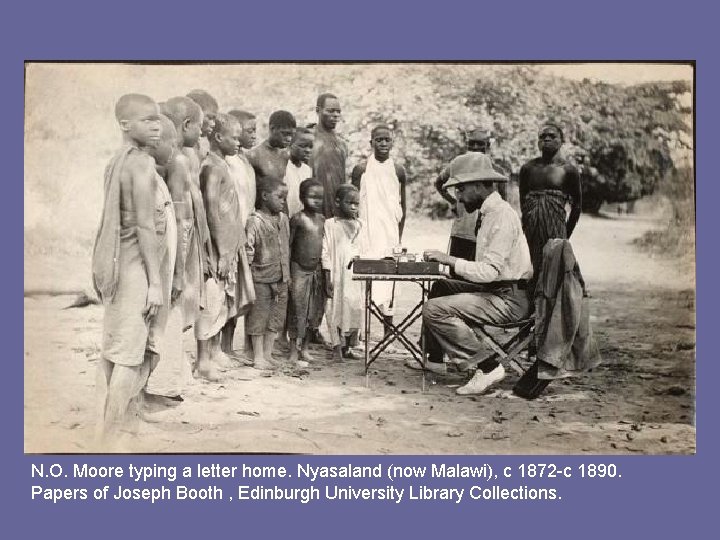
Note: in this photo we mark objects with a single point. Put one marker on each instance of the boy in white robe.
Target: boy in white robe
(381, 183)
(342, 241)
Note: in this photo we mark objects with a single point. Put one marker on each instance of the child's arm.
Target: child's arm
(356, 175)
(178, 182)
(293, 225)
(326, 262)
(402, 177)
(251, 234)
(142, 175)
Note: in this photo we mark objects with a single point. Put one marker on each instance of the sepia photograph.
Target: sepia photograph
(359, 258)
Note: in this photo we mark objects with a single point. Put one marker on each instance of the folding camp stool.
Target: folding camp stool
(509, 351)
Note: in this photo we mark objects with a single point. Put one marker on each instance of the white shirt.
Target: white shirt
(293, 178)
(502, 252)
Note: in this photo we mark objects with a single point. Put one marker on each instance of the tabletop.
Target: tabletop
(399, 277)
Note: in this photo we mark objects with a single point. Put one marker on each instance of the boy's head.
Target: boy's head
(139, 119)
(477, 140)
(163, 150)
(302, 145)
(282, 127)
(550, 138)
(209, 107)
(249, 129)
(225, 136)
(347, 200)
(328, 110)
(381, 141)
(312, 194)
(187, 116)
(271, 194)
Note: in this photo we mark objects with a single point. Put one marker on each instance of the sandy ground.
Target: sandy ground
(640, 400)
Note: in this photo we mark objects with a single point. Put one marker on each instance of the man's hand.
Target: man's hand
(433, 255)
(153, 302)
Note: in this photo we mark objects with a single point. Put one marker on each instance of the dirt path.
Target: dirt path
(641, 399)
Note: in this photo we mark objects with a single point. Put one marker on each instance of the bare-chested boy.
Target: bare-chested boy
(227, 240)
(546, 184)
(210, 109)
(159, 390)
(186, 117)
(128, 256)
(270, 157)
(297, 168)
(307, 289)
(249, 192)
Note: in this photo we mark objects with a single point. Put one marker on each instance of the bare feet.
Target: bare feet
(261, 363)
(337, 353)
(348, 353)
(222, 360)
(205, 370)
(316, 337)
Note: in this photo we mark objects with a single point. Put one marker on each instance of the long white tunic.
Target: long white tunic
(341, 242)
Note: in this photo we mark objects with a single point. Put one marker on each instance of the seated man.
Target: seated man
(491, 288)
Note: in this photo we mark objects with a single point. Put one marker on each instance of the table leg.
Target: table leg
(368, 303)
(423, 352)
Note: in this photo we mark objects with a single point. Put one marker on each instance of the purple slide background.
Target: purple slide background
(657, 497)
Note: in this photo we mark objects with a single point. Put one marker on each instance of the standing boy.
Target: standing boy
(546, 184)
(126, 264)
(247, 182)
(187, 119)
(165, 384)
(307, 291)
(223, 281)
(270, 157)
(268, 247)
(210, 109)
(297, 168)
(382, 207)
(342, 242)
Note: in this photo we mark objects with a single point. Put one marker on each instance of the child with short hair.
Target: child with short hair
(297, 167)
(342, 242)
(307, 289)
(224, 283)
(268, 252)
(270, 157)
(210, 109)
(128, 261)
(381, 183)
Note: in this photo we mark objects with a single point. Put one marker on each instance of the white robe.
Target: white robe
(381, 210)
(293, 177)
(244, 175)
(343, 240)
